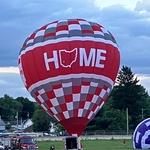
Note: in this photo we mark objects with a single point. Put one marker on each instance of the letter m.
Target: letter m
(86, 60)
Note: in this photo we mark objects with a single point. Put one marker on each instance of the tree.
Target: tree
(108, 118)
(28, 107)
(8, 126)
(94, 124)
(117, 120)
(128, 93)
(9, 107)
(59, 128)
(41, 120)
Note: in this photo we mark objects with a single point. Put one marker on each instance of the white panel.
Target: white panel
(67, 84)
(66, 114)
(84, 89)
(87, 104)
(30, 41)
(51, 25)
(76, 97)
(80, 112)
(40, 98)
(54, 102)
(94, 99)
(62, 32)
(98, 32)
(96, 110)
(40, 33)
(147, 123)
(53, 110)
(74, 26)
(56, 118)
(94, 84)
(41, 91)
(44, 107)
(59, 92)
(69, 106)
(90, 115)
(82, 22)
(102, 93)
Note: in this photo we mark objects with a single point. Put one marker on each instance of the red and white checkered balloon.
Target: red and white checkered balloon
(69, 67)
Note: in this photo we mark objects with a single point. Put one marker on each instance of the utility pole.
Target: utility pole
(21, 123)
(142, 113)
(127, 121)
(0, 118)
(28, 115)
(17, 119)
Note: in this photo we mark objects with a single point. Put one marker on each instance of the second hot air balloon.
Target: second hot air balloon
(141, 135)
(69, 67)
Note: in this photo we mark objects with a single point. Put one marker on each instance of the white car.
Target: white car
(1, 147)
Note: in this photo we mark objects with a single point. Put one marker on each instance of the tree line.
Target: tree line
(127, 97)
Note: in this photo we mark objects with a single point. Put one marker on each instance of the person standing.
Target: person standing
(124, 143)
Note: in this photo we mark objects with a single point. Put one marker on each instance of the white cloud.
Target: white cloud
(3, 82)
(145, 81)
(9, 70)
(143, 5)
(130, 4)
(11, 84)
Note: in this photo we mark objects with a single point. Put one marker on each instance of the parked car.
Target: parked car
(18, 131)
(49, 134)
(5, 131)
(1, 147)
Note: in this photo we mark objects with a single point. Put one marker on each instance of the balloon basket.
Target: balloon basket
(72, 143)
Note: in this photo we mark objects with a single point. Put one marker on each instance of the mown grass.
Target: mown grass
(90, 145)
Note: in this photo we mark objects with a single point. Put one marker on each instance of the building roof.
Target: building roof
(22, 124)
(2, 123)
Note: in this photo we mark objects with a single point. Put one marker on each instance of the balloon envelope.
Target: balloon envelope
(141, 135)
(69, 67)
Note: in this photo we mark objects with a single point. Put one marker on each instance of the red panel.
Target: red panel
(49, 110)
(62, 28)
(89, 97)
(62, 116)
(68, 98)
(39, 102)
(73, 22)
(98, 91)
(50, 94)
(75, 125)
(58, 86)
(76, 89)
(49, 104)
(63, 107)
(75, 112)
(82, 103)
(49, 35)
(87, 31)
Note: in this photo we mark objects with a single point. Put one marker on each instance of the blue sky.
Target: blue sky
(127, 20)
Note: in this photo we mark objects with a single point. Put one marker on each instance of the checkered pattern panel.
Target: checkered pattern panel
(141, 135)
(67, 30)
(66, 100)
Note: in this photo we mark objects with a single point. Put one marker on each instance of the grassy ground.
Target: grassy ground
(90, 145)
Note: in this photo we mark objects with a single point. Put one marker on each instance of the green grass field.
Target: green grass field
(90, 145)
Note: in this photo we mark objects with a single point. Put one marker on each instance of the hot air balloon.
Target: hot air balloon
(141, 135)
(69, 67)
